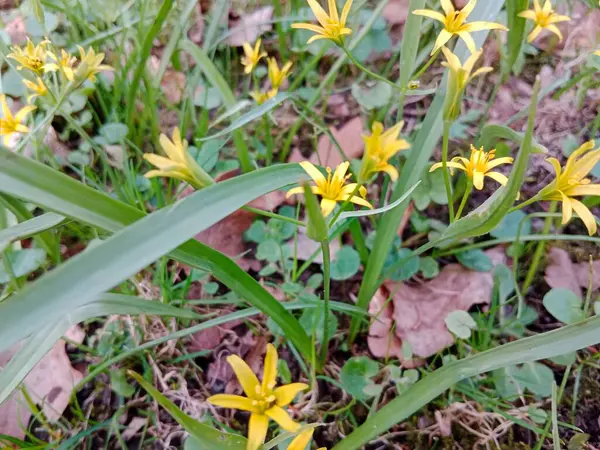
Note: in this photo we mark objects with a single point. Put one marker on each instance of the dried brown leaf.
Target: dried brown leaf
(50, 383)
(350, 140)
(173, 86)
(17, 31)
(396, 12)
(249, 27)
(561, 272)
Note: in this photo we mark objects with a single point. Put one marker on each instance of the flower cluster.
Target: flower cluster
(250, 60)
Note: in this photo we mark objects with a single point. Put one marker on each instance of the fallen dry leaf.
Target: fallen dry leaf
(350, 140)
(212, 337)
(16, 31)
(418, 312)
(396, 12)
(561, 272)
(50, 384)
(173, 86)
(196, 32)
(135, 425)
(249, 27)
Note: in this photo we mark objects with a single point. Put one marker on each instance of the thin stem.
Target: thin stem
(447, 126)
(268, 139)
(326, 292)
(367, 71)
(539, 250)
(466, 195)
(425, 67)
(274, 216)
(524, 204)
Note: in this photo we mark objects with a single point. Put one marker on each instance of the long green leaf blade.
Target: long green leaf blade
(29, 228)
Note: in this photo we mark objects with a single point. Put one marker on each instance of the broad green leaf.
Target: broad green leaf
(39, 343)
(23, 262)
(29, 228)
(42, 185)
(491, 134)
(564, 305)
(356, 376)
(516, 31)
(372, 97)
(204, 436)
(250, 116)
(429, 267)
(114, 133)
(509, 226)
(542, 346)
(476, 260)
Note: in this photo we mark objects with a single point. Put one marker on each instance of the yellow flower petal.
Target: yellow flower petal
(586, 216)
(554, 29)
(286, 394)
(567, 209)
(447, 6)
(345, 12)
(500, 178)
(244, 374)
(588, 189)
(319, 12)
(282, 418)
(468, 40)
(270, 369)
(327, 206)
(431, 14)
(478, 180)
(441, 40)
(233, 402)
(313, 172)
(301, 441)
(257, 431)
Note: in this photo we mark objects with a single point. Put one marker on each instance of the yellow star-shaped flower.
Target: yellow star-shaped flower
(10, 124)
(571, 181)
(64, 64)
(380, 147)
(278, 76)
(252, 56)
(544, 18)
(332, 25)
(32, 57)
(38, 88)
(333, 189)
(263, 400)
(478, 167)
(455, 23)
(90, 64)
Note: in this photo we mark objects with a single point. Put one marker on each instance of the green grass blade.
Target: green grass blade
(175, 224)
(250, 116)
(29, 228)
(207, 437)
(136, 80)
(547, 345)
(516, 31)
(491, 134)
(41, 342)
(420, 155)
(216, 79)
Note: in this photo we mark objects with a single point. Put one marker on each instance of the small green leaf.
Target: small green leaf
(429, 267)
(23, 262)
(312, 319)
(509, 226)
(210, 288)
(460, 323)
(374, 96)
(578, 441)
(537, 378)
(565, 360)
(346, 263)
(257, 232)
(475, 260)
(315, 281)
(269, 250)
(410, 265)
(114, 133)
(119, 384)
(537, 415)
(283, 371)
(564, 305)
(356, 376)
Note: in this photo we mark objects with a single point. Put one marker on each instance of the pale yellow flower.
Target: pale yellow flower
(263, 400)
(252, 56)
(380, 147)
(31, 57)
(301, 441)
(261, 97)
(332, 25)
(333, 189)
(597, 53)
(460, 76)
(65, 64)
(455, 24)
(571, 181)
(478, 167)
(276, 75)
(10, 124)
(38, 88)
(90, 64)
(178, 164)
(544, 18)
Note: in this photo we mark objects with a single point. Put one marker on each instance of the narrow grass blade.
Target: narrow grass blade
(547, 345)
(41, 342)
(250, 116)
(516, 31)
(421, 152)
(216, 79)
(89, 273)
(207, 437)
(29, 228)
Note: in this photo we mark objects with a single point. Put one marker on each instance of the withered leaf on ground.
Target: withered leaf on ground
(561, 272)
(250, 26)
(49, 384)
(396, 11)
(416, 313)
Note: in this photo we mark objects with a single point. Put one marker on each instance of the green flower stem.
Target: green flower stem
(271, 215)
(326, 292)
(539, 250)
(446, 141)
(525, 203)
(367, 71)
(268, 139)
(425, 67)
(466, 196)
